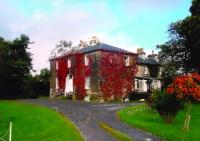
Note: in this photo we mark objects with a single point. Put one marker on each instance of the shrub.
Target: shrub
(166, 105)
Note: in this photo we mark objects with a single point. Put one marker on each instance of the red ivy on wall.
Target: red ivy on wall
(62, 73)
(116, 78)
(79, 77)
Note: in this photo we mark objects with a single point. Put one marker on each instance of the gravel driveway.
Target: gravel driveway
(86, 116)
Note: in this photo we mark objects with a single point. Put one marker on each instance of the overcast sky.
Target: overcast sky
(128, 24)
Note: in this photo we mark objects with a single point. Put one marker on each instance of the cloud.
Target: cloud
(72, 20)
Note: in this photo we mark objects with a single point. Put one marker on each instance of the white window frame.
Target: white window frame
(86, 60)
(87, 82)
(69, 63)
(56, 65)
(127, 60)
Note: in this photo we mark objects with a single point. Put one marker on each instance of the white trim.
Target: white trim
(87, 82)
(127, 61)
(69, 63)
(57, 83)
(56, 65)
(86, 59)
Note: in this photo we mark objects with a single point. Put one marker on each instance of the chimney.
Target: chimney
(141, 53)
(153, 56)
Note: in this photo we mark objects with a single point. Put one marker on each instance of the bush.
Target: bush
(166, 105)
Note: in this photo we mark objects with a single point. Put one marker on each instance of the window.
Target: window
(56, 65)
(57, 83)
(87, 82)
(145, 70)
(126, 60)
(69, 63)
(86, 60)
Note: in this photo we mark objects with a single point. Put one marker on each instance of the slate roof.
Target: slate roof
(103, 46)
(147, 61)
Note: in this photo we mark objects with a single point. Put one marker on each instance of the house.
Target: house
(148, 76)
(93, 70)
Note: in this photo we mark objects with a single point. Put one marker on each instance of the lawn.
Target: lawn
(36, 123)
(149, 120)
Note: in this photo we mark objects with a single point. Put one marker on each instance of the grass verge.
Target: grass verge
(34, 122)
(115, 133)
(149, 120)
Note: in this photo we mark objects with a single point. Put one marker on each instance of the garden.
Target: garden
(172, 113)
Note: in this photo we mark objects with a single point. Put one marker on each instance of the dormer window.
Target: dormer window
(126, 60)
(56, 65)
(86, 60)
(69, 63)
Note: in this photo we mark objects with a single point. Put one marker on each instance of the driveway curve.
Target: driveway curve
(86, 116)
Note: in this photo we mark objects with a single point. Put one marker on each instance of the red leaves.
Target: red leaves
(186, 86)
(117, 78)
(79, 77)
(61, 73)
(170, 90)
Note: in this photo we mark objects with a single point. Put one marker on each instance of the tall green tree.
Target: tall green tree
(190, 31)
(181, 53)
(15, 62)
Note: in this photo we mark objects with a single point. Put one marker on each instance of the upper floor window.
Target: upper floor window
(127, 60)
(86, 60)
(69, 63)
(56, 65)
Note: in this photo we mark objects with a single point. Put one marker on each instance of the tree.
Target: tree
(174, 55)
(39, 85)
(15, 62)
(181, 53)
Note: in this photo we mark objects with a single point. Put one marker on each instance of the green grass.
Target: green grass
(36, 123)
(149, 120)
(115, 133)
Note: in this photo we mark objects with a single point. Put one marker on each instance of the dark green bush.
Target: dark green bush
(166, 105)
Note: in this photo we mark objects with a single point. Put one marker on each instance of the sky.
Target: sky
(128, 24)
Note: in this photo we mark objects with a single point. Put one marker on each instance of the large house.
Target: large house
(98, 71)
(95, 71)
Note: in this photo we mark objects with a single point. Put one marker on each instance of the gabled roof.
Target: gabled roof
(105, 47)
(147, 61)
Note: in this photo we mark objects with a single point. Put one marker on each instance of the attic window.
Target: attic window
(126, 60)
(86, 60)
(69, 63)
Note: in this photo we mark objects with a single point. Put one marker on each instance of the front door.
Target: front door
(69, 84)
